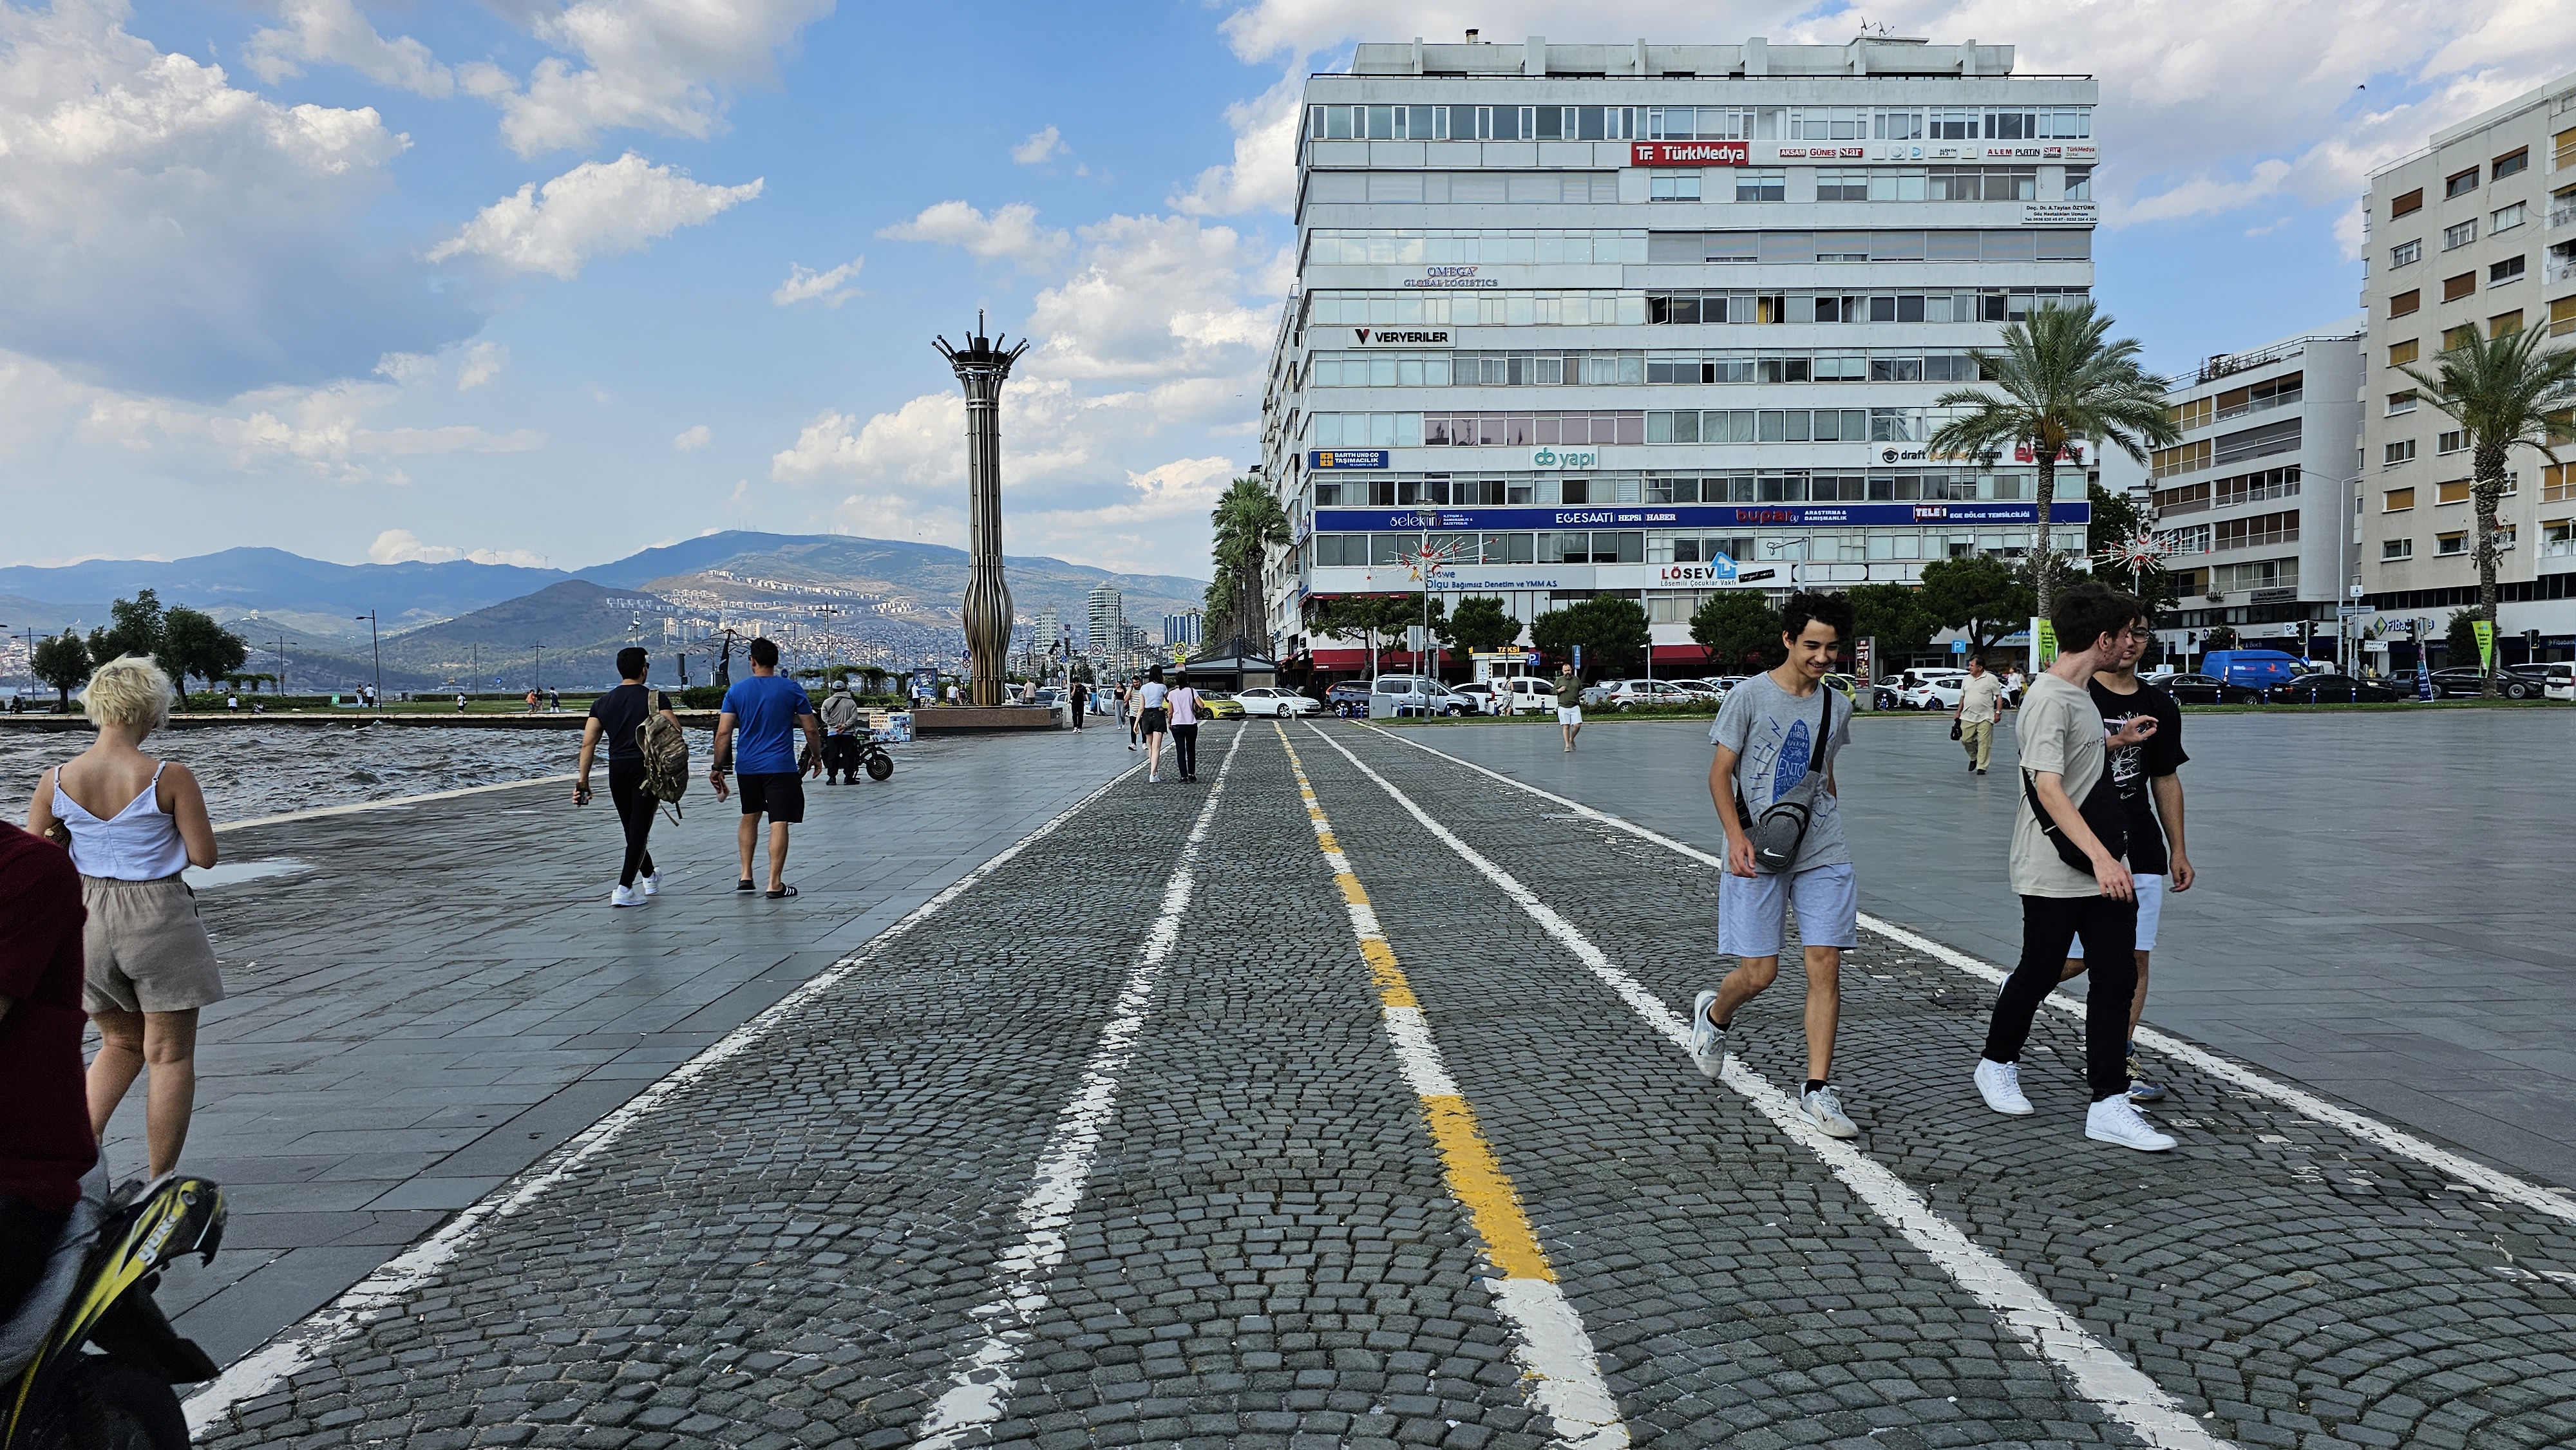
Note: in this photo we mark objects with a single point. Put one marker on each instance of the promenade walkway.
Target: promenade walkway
(1338, 1101)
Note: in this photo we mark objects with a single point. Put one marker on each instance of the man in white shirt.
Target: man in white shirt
(1980, 706)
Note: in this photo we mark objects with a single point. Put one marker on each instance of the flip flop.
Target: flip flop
(781, 893)
(744, 885)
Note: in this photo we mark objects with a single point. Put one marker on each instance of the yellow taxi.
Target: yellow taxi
(1220, 705)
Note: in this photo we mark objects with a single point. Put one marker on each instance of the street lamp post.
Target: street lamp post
(378, 646)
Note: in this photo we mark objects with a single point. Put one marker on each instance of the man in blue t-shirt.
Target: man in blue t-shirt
(769, 710)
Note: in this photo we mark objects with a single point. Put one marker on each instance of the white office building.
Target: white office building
(1658, 320)
(2471, 237)
(1106, 634)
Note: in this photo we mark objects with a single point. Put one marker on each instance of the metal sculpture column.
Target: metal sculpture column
(982, 367)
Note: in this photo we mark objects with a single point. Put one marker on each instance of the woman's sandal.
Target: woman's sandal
(782, 893)
(744, 885)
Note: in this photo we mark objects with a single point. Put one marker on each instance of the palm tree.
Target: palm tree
(1248, 522)
(2504, 391)
(2062, 384)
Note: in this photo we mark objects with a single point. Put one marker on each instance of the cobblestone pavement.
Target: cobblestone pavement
(803, 1244)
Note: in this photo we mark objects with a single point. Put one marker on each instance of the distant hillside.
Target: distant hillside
(570, 631)
(313, 595)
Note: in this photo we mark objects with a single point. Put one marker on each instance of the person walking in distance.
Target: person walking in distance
(2149, 781)
(2068, 813)
(1183, 702)
(49, 1145)
(1980, 706)
(1776, 738)
(1124, 692)
(1569, 704)
(1081, 694)
(1152, 718)
(619, 717)
(842, 719)
(134, 823)
(768, 710)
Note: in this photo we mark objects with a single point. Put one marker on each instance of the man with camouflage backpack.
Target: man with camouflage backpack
(639, 726)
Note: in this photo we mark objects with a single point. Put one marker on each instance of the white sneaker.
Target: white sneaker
(1707, 1042)
(2116, 1120)
(626, 896)
(652, 884)
(1999, 1083)
(1825, 1110)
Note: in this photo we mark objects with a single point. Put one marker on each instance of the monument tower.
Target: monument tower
(982, 367)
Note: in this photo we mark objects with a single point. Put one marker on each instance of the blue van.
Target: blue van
(2258, 669)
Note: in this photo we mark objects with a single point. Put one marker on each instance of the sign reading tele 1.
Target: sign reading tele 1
(1689, 153)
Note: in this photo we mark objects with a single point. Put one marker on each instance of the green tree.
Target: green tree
(2461, 643)
(134, 628)
(1894, 615)
(1365, 617)
(2220, 638)
(2507, 392)
(192, 643)
(2061, 383)
(1736, 627)
(61, 661)
(1248, 523)
(1980, 594)
(1611, 630)
(1481, 626)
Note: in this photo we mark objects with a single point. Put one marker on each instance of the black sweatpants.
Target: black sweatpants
(1185, 748)
(635, 813)
(2049, 925)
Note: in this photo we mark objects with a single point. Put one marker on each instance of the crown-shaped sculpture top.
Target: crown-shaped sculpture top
(981, 354)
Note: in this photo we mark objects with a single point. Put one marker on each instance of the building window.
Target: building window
(2397, 500)
(2406, 254)
(2397, 453)
(1892, 183)
(2401, 403)
(2455, 338)
(2504, 322)
(2166, 462)
(2460, 235)
(2405, 203)
(2262, 574)
(2506, 270)
(2461, 184)
(2455, 491)
(1771, 185)
(2195, 413)
(2079, 183)
(2558, 538)
(1847, 185)
(2254, 487)
(2280, 528)
(2455, 288)
(1672, 186)
(1897, 126)
(2402, 353)
(2451, 440)
(2562, 317)
(2506, 218)
(1985, 183)
(2450, 545)
(2511, 163)
(2505, 537)
(2393, 550)
(2405, 302)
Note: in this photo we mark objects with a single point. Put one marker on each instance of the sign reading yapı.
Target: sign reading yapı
(1683, 516)
(1565, 458)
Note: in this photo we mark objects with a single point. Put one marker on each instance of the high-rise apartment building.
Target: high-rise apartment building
(2473, 236)
(1660, 320)
(1181, 628)
(1107, 623)
(2257, 497)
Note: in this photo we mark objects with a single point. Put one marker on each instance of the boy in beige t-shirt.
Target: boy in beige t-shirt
(2063, 751)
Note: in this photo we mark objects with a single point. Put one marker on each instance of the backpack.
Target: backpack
(666, 755)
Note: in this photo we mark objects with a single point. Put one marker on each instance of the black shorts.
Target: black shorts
(779, 794)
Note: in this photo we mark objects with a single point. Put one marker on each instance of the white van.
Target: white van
(1521, 694)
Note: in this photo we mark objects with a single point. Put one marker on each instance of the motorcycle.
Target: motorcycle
(89, 1360)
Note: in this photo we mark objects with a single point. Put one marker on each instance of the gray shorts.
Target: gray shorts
(143, 948)
(1752, 911)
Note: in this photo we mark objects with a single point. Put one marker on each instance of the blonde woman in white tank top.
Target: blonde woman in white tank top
(133, 824)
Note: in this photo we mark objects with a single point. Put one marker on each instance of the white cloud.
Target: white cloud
(1011, 233)
(1158, 297)
(829, 288)
(164, 231)
(654, 65)
(693, 439)
(597, 209)
(1263, 174)
(334, 32)
(320, 432)
(483, 363)
(402, 546)
(406, 368)
(1039, 146)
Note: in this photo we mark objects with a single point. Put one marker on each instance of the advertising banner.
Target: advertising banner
(2486, 643)
(1683, 516)
(1689, 153)
(1319, 459)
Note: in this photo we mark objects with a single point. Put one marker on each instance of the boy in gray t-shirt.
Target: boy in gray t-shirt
(1773, 730)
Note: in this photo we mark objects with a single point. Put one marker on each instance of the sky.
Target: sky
(544, 282)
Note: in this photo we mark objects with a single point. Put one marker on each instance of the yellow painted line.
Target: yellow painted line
(1560, 1371)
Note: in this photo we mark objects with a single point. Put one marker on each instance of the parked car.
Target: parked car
(1844, 683)
(1350, 697)
(2326, 687)
(2258, 668)
(2513, 682)
(1393, 693)
(1220, 705)
(1620, 694)
(1933, 694)
(2199, 689)
(1277, 700)
(1522, 694)
(1715, 689)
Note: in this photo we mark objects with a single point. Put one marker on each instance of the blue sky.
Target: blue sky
(284, 286)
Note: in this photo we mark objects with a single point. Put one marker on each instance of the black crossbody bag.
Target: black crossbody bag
(1781, 830)
(2100, 809)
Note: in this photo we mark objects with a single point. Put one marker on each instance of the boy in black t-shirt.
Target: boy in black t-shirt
(618, 717)
(2151, 793)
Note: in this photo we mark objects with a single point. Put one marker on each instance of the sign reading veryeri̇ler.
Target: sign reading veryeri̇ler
(1689, 153)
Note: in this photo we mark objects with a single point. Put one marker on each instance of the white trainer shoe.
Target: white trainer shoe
(652, 884)
(1999, 1083)
(1825, 1109)
(2117, 1120)
(625, 896)
(1707, 1042)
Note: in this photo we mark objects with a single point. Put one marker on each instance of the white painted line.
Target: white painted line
(2368, 1129)
(381, 1292)
(2094, 1369)
(980, 1381)
(323, 812)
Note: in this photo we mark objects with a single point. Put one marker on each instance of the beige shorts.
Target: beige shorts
(144, 950)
